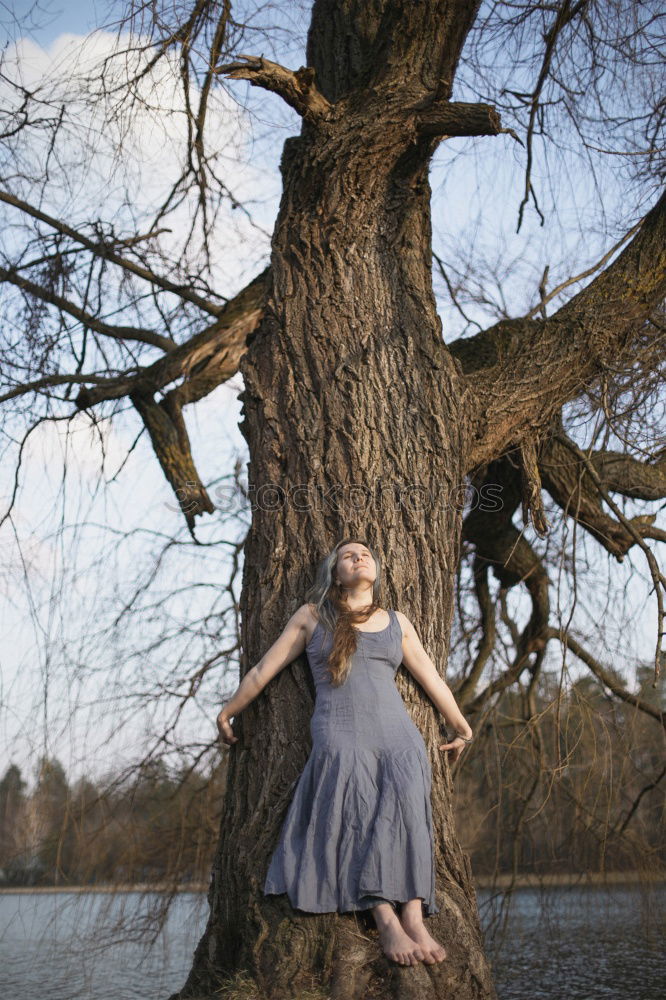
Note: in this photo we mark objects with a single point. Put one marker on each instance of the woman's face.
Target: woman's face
(355, 565)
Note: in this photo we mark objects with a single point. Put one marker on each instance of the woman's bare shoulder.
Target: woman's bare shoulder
(308, 616)
(310, 612)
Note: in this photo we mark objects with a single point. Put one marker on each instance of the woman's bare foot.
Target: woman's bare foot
(394, 940)
(411, 920)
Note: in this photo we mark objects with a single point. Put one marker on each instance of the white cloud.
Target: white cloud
(90, 447)
(109, 152)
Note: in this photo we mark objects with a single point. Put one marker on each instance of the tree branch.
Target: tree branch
(467, 686)
(209, 358)
(564, 14)
(657, 576)
(621, 473)
(507, 552)
(449, 118)
(606, 678)
(296, 88)
(116, 332)
(521, 371)
(546, 298)
(171, 444)
(104, 250)
(50, 380)
(574, 490)
(619, 829)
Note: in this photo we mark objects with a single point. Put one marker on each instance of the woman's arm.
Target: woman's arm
(423, 670)
(286, 648)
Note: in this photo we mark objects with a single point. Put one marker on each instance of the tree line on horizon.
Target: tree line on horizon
(579, 789)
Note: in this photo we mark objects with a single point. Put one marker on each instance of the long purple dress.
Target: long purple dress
(358, 829)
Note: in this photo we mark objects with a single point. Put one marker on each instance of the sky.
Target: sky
(45, 20)
(66, 690)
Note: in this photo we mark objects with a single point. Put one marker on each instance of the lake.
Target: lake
(560, 943)
(578, 943)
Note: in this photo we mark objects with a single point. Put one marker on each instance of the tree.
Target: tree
(348, 383)
(12, 804)
(49, 806)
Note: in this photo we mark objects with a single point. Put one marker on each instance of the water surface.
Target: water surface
(563, 943)
(578, 942)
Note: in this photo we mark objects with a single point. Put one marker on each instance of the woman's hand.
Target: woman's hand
(455, 748)
(225, 731)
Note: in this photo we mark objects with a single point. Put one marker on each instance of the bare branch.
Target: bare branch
(620, 828)
(116, 332)
(621, 473)
(211, 356)
(466, 688)
(525, 370)
(567, 481)
(545, 299)
(105, 250)
(604, 676)
(171, 444)
(297, 88)
(565, 13)
(657, 576)
(49, 380)
(501, 547)
(449, 118)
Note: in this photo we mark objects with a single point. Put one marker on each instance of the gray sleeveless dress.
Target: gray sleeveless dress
(358, 830)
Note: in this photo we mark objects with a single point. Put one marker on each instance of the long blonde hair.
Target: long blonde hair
(335, 616)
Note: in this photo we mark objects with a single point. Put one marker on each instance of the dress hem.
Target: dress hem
(430, 909)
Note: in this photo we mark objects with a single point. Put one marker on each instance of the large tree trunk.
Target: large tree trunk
(347, 382)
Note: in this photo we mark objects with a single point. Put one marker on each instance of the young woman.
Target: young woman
(358, 833)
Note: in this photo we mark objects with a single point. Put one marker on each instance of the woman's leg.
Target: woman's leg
(411, 920)
(393, 938)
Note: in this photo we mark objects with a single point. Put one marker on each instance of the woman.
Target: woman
(358, 832)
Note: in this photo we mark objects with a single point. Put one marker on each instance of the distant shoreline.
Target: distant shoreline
(504, 881)
(121, 887)
(566, 878)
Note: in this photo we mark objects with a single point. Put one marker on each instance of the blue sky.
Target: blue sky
(44, 20)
